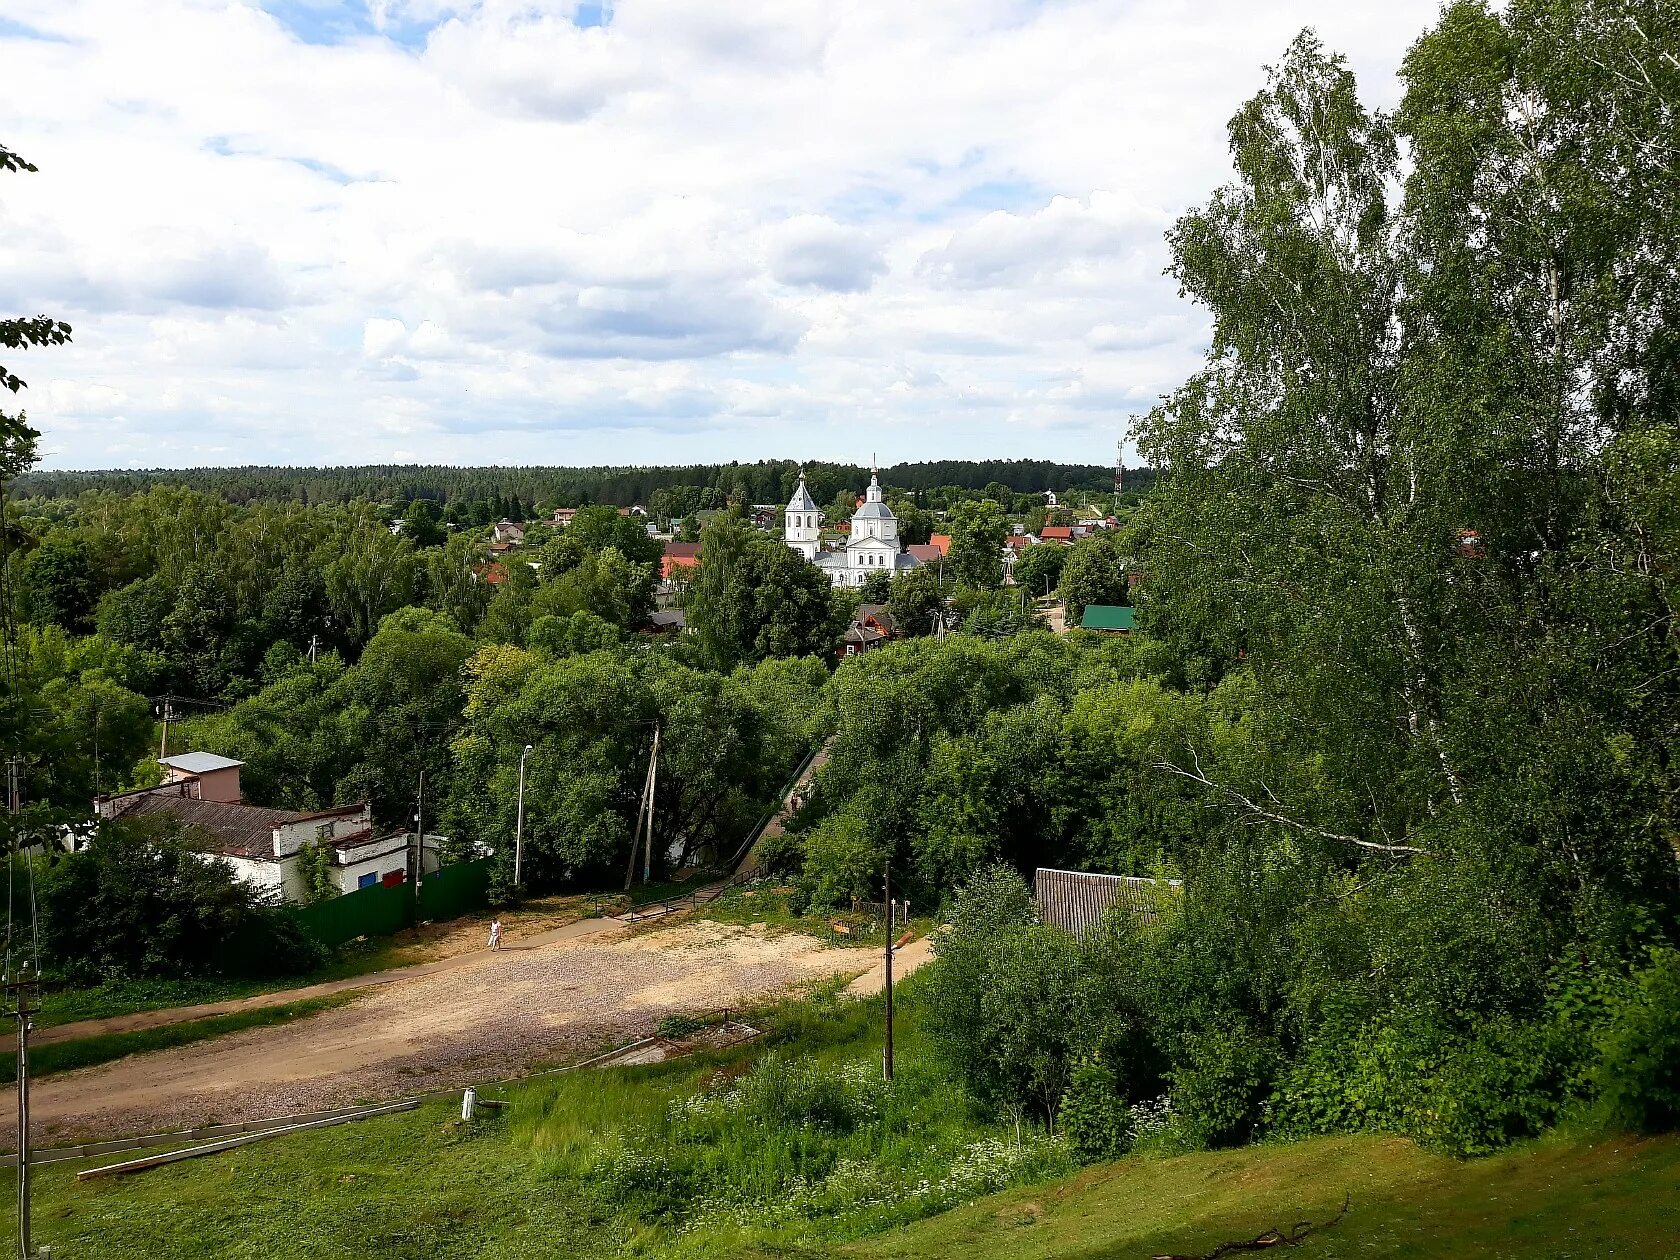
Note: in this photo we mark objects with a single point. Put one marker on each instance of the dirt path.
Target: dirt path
(480, 1018)
(906, 959)
(578, 930)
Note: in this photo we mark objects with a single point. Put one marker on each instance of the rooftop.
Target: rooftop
(1108, 617)
(199, 762)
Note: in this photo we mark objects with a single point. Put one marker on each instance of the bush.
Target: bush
(1095, 1118)
(676, 1027)
(144, 899)
(1638, 1073)
(781, 854)
(842, 861)
(1219, 1083)
(1465, 1093)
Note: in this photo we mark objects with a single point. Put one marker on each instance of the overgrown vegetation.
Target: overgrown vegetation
(797, 1147)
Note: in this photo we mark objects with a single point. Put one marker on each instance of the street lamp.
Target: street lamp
(519, 824)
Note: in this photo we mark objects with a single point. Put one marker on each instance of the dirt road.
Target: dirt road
(484, 1018)
(137, 1020)
(906, 958)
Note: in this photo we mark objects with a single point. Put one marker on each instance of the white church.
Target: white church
(873, 545)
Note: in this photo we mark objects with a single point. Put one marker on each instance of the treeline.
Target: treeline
(766, 481)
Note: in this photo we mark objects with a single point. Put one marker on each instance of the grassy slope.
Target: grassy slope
(519, 1184)
(1606, 1197)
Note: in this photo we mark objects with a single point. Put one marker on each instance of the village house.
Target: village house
(872, 626)
(680, 558)
(933, 551)
(562, 517)
(202, 791)
(508, 532)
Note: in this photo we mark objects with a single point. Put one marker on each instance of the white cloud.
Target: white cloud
(328, 230)
(814, 251)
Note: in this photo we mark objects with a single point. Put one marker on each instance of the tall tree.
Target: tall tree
(977, 530)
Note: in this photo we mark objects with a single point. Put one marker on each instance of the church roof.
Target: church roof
(874, 511)
(801, 501)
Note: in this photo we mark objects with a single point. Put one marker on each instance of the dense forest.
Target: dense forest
(767, 481)
(1402, 716)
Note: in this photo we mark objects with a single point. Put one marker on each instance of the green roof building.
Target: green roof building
(1109, 617)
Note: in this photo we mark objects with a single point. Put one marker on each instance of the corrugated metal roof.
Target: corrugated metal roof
(199, 762)
(1077, 900)
(236, 830)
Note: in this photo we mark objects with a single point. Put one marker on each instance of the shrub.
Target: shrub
(676, 1027)
(1220, 1081)
(781, 854)
(1638, 1072)
(1465, 1093)
(1094, 1116)
(842, 861)
(145, 899)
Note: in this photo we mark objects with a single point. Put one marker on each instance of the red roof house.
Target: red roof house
(679, 556)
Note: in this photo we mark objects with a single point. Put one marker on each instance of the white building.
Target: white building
(262, 844)
(872, 548)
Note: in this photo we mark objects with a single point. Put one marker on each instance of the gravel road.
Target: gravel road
(491, 1018)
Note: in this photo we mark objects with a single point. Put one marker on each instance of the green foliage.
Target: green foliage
(314, 867)
(1004, 998)
(841, 861)
(728, 742)
(143, 899)
(1094, 572)
(977, 531)
(1638, 1071)
(914, 599)
(1094, 1117)
(753, 597)
(1038, 569)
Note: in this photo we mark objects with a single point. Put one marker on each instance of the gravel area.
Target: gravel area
(492, 1018)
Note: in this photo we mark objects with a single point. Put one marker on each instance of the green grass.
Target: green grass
(1557, 1198)
(71, 1004)
(720, 1157)
(83, 1052)
(767, 905)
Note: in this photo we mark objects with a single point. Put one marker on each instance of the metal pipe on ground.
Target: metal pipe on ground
(215, 1148)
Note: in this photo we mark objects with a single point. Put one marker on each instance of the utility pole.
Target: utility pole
(420, 831)
(519, 825)
(886, 883)
(21, 991)
(312, 641)
(653, 787)
(1119, 468)
(163, 744)
(644, 809)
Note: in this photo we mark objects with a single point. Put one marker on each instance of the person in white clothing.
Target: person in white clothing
(495, 934)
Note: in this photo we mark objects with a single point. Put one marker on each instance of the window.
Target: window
(368, 880)
(324, 831)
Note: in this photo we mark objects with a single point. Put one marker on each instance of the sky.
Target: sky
(620, 231)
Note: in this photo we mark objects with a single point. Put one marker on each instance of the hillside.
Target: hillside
(1601, 1197)
(687, 1159)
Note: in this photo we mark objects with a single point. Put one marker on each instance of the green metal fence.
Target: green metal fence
(455, 890)
(382, 909)
(377, 910)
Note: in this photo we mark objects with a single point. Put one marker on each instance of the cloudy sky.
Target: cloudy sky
(642, 231)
